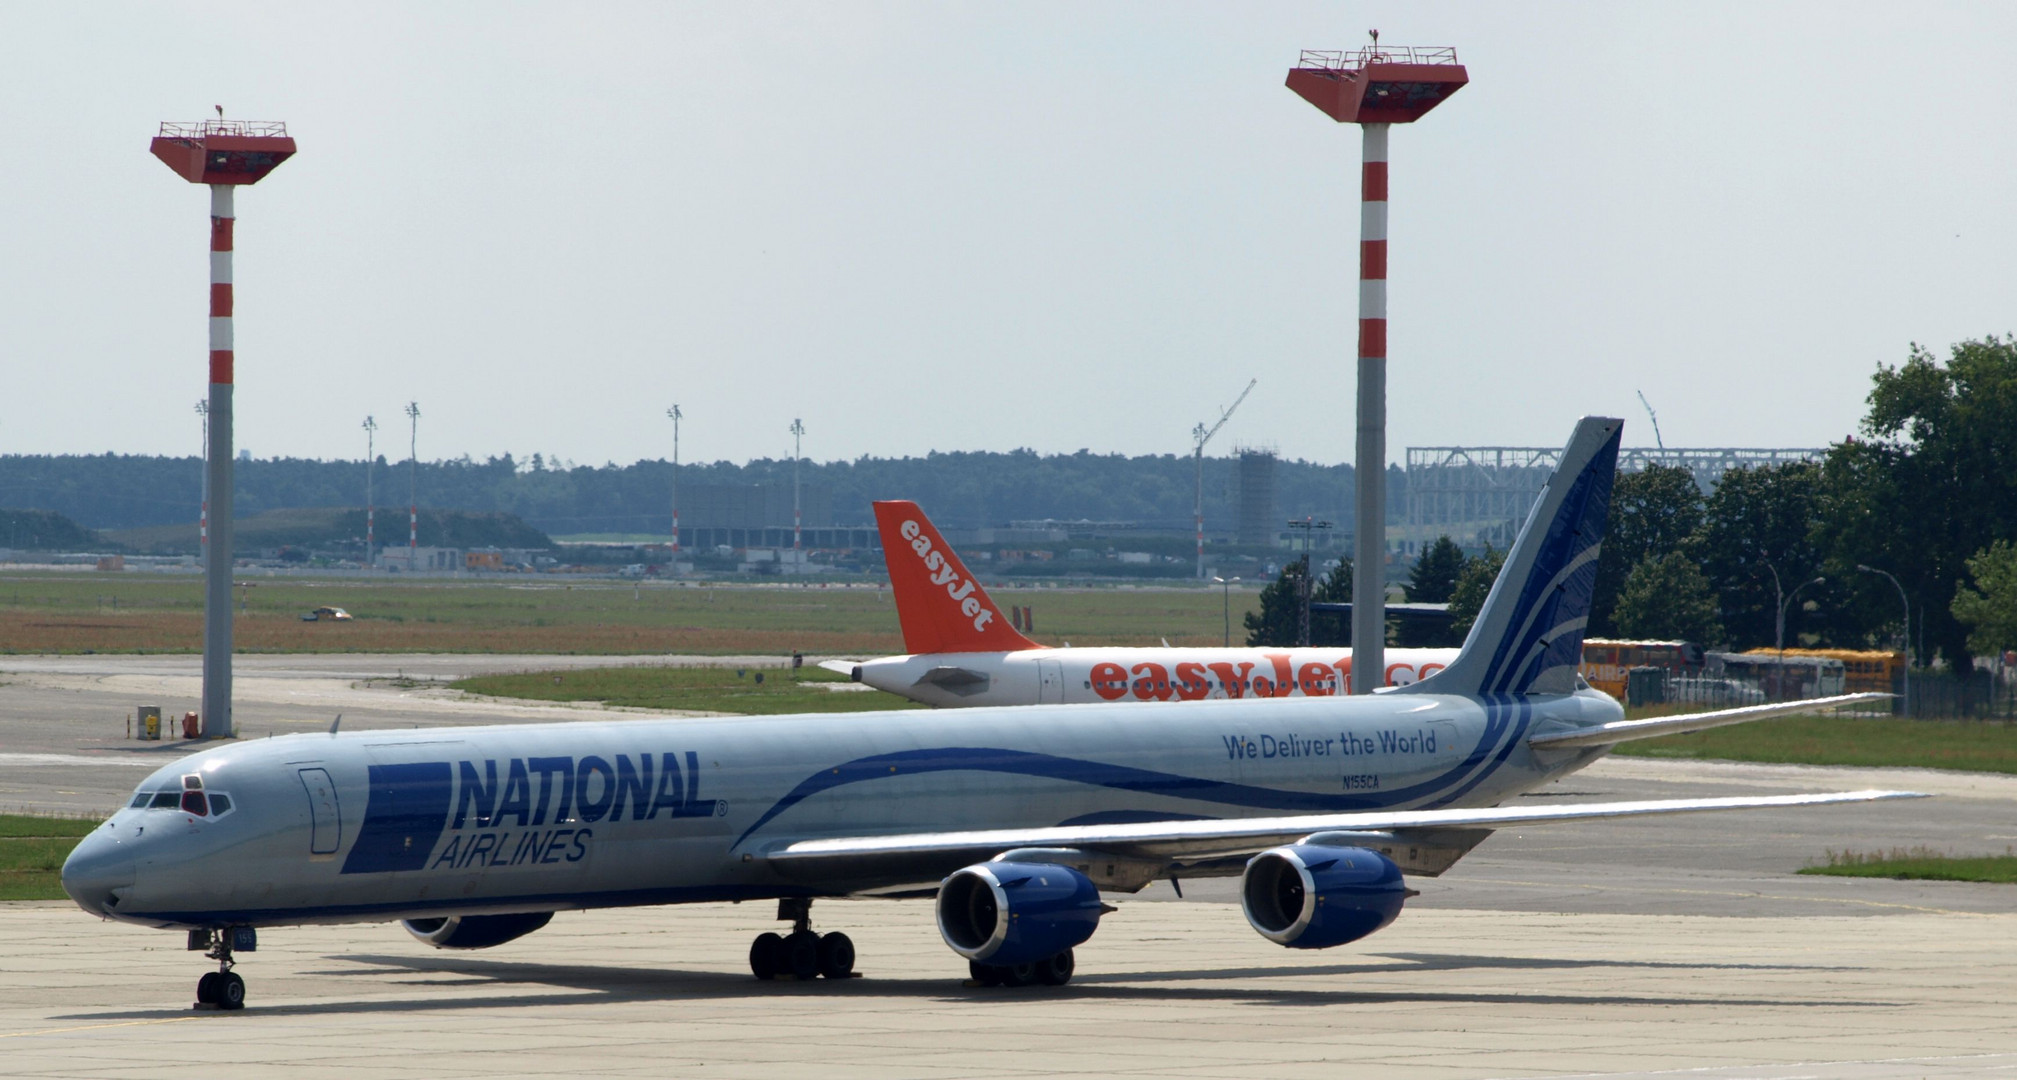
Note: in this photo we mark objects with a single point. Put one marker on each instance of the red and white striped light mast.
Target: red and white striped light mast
(224, 155)
(1373, 88)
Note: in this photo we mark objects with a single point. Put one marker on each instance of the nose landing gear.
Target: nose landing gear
(801, 954)
(222, 989)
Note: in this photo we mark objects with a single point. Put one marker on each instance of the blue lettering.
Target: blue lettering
(476, 790)
(671, 789)
(517, 800)
(475, 852)
(553, 843)
(593, 810)
(448, 853)
(1267, 746)
(632, 783)
(548, 768)
(580, 845)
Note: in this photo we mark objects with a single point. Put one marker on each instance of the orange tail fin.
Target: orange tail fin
(939, 604)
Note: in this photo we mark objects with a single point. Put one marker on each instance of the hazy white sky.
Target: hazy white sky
(937, 226)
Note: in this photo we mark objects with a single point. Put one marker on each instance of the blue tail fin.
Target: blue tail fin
(1528, 638)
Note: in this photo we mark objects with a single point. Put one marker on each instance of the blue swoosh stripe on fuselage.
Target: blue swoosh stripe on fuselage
(1506, 706)
(1128, 778)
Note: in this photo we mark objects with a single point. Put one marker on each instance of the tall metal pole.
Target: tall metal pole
(674, 413)
(370, 504)
(797, 432)
(1906, 634)
(413, 490)
(216, 707)
(1369, 542)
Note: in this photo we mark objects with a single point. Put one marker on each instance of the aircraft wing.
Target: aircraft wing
(1627, 730)
(1171, 844)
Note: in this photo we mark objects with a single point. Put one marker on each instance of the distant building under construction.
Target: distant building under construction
(1257, 521)
(1479, 494)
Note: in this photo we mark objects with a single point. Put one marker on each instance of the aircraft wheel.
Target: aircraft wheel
(836, 956)
(766, 956)
(801, 954)
(984, 974)
(230, 992)
(1018, 974)
(207, 987)
(1057, 970)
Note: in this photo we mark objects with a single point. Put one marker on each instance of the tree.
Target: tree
(1991, 606)
(1473, 586)
(1666, 598)
(1654, 512)
(1934, 484)
(1434, 575)
(1279, 621)
(1758, 521)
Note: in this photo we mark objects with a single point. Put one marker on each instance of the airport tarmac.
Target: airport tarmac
(1619, 948)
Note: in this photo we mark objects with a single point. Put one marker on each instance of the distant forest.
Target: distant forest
(961, 490)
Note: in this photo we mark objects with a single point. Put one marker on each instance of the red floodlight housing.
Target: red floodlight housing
(223, 151)
(1380, 85)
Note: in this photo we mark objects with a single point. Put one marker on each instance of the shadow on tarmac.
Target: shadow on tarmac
(603, 984)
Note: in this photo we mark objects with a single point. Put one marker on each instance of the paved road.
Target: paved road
(1617, 949)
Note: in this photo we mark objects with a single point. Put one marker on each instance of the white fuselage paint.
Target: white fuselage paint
(1085, 675)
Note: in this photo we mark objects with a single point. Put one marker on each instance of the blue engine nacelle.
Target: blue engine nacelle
(1309, 897)
(476, 931)
(1016, 913)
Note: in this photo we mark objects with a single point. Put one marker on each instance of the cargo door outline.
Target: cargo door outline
(325, 817)
(1050, 682)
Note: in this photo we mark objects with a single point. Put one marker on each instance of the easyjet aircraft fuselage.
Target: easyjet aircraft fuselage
(1039, 676)
(963, 653)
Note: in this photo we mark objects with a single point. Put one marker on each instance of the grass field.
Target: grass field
(1920, 863)
(75, 613)
(1847, 740)
(32, 850)
(750, 692)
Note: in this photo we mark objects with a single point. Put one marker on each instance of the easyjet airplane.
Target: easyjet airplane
(963, 652)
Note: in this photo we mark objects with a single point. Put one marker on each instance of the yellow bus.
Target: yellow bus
(1862, 670)
(1606, 661)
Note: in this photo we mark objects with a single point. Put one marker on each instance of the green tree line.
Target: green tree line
(1926, 493)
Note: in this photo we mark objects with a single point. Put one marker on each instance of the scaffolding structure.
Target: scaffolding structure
(1478, 495)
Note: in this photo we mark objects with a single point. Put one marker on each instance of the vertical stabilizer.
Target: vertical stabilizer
(941, 606)
(1528, 638)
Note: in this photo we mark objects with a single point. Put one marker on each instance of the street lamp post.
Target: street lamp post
(1906, 630)
(1226, 596)
(674, 415)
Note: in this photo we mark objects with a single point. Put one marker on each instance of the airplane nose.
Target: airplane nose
(98, 865)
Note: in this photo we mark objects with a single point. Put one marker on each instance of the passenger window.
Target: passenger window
(220, 805)
(165, 800)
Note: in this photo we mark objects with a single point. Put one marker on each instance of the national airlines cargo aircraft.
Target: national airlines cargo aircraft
(963, 653)
(1013, 819)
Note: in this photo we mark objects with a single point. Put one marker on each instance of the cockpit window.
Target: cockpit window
(166, 800)
(141, 799)
(220, 804)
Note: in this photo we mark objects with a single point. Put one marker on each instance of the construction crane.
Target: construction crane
(1201, 435)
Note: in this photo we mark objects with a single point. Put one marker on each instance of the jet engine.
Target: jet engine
(476, 931)
(1309, 897)
(1007, 913)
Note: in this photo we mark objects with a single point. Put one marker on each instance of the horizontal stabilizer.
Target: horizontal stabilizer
(1628, 730)
(844, 667)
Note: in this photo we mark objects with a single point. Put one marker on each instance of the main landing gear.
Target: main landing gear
(801, 954)
(1051, 971)
(222, 989)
